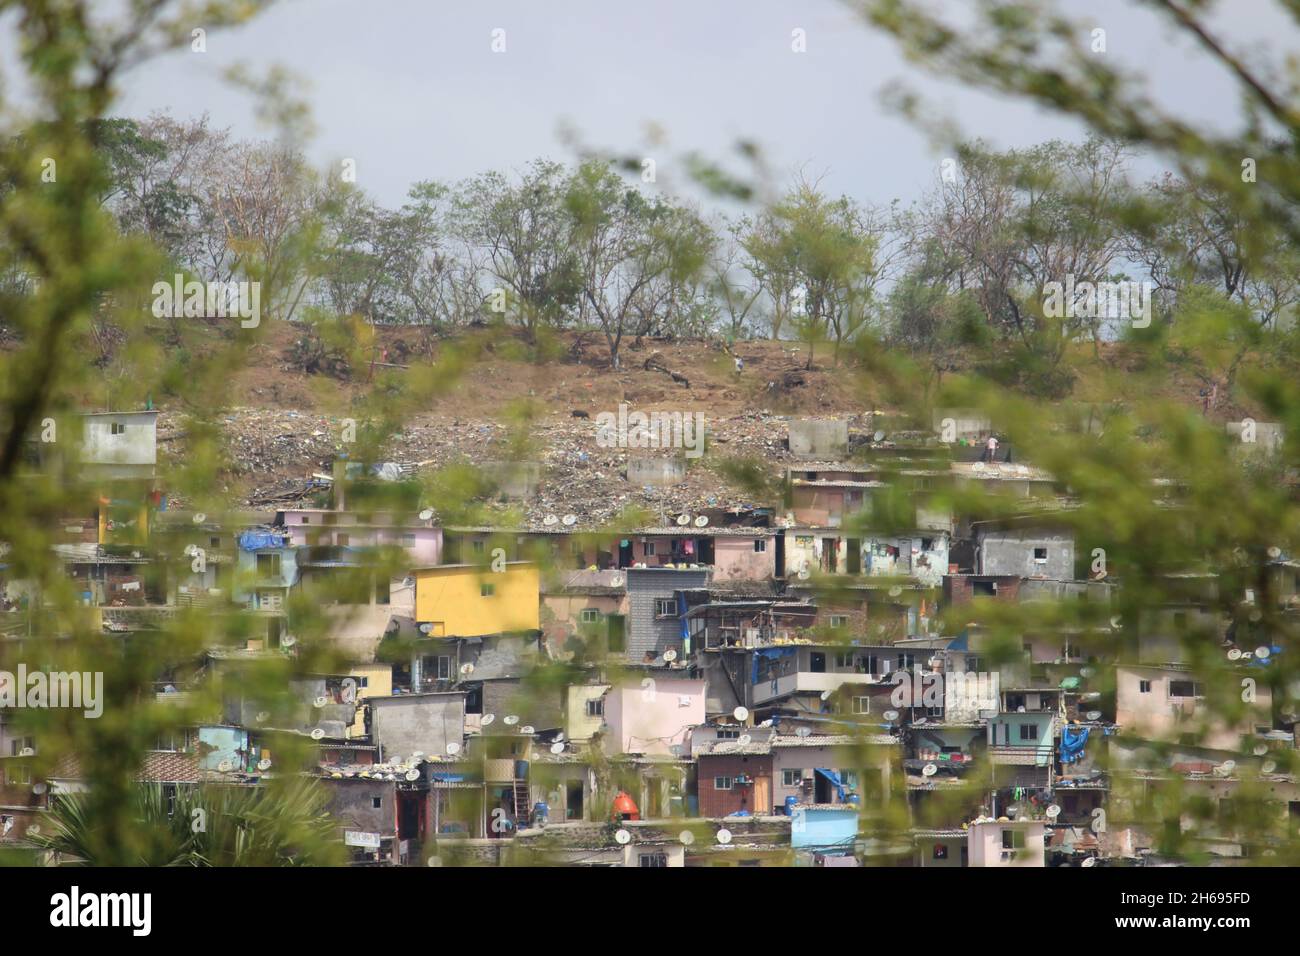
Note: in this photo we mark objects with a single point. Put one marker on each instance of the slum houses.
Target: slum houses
(755, 686)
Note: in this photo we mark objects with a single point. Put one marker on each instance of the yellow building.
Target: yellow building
(372, 680)
(470, 600)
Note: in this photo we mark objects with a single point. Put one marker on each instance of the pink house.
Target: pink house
(652, 715)
(323, 527)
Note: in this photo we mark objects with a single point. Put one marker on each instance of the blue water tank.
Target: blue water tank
(790, 804)
(541, 813)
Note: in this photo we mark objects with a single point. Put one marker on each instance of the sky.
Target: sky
(413, 89)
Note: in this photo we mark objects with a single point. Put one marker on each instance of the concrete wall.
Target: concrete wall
(351, 804)
(312, 526)
(986, 845)
(577, 725)
(651, 717)
(1156, 715)
(411, 722)
(820, 438)
(734, 558)
(656, 472)
(1012, 552)
(451, 598)
(136, 446)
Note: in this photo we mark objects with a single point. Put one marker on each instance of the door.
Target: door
(780, 554)
(762, 795)
(817, 662)
(617, 630)
(573, 800)
(853, 559)
(625, 553)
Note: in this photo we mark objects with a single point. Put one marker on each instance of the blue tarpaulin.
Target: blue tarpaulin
(257, 540)
(834, 778)
(1073, 740)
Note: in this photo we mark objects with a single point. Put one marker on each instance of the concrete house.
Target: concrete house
(655, 607)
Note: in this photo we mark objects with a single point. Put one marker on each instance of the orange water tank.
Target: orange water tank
(625, 807)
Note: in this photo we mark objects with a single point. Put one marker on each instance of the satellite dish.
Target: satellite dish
(1234, 654)
(426, 514)
(1262, 653)
(569, 520)
(320, 702)
(1093, 715)
(878, 437)
(527, 729)
(38, 788)
(701, 521)
(687, 837)
(1269, 766)
(890, 715)
(288, 640)
(453, 748)
(467, 668)
(803, 574)
(1086, 672)
(623, 837)
(189, 550)
(1117, 622)
(826, 695)
(802, 732)
(1020, 709)
(1275, 552)
(744, 740)
(1225, 769)
(487, 719)
(1261, 749)
(550, 520)
(741, 714)
(225, 766)
(559, 735)
(27, 752)
(616, 581)
(510, 720)
(557, 748)
(670, 655)
(918, 721)
(200, 517)
(317, 733)
(264, 764)
(683, 519)
(895, 591)
(34, 828)
(724, 836)
(929, 770)
(425, 628)
(1053, 811)
(412, 775)
(676, 750)
(263, 717)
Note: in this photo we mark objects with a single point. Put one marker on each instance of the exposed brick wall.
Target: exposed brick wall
(960, 589)
(719, 803)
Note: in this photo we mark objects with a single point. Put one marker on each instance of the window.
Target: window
(306, 519)
(214, 542)
(1186, 688)
(590, 615)
(341, 540)
(843, 660)
(487, 590)
(1028, 731)
(906, 660)
(408, 539)
(383, 590)
(1040, 555)
(596, 707)
(665, 607)
(1144, 687)
(647, 549)
(792, 777)
(376, 802)
(170, 742)
(117, 428)
(19, 744)
(760, 545)
(437, 667)
(477, 545)
(653, 859)
(722, 783)
(268, 565)
(927, 544)
(839, 620)
(18, 775)
(728, 733)
(862, 705)
(1013, 839)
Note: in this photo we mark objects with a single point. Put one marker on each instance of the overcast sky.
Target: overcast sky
(411, 89)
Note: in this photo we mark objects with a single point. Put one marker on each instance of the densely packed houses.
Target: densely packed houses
(770, 685)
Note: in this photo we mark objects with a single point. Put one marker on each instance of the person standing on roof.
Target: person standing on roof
(991, 449)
